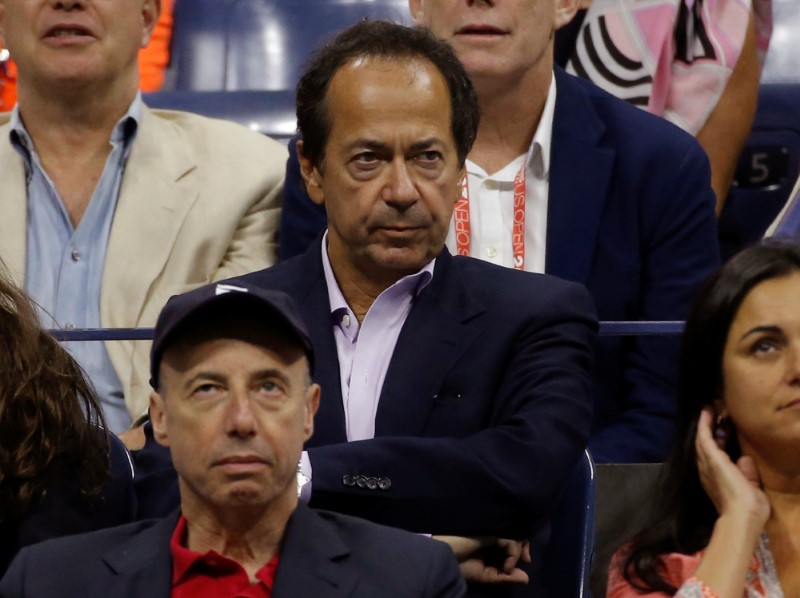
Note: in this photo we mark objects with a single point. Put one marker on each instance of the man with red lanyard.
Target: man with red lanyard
(234, 403)
(567, 180)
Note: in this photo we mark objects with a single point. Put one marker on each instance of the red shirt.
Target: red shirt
(198, 575)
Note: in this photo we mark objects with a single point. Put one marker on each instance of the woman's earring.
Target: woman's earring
(721, 428)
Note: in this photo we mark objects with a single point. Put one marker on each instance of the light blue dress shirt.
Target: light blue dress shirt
(64, 265)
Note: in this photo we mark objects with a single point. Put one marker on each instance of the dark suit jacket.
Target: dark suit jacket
(323, 555)
(631, 216)
(64, 510)
(484, 408)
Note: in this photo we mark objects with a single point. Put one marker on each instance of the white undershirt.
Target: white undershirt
(491, 200)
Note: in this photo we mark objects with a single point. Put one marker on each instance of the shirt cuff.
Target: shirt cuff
(304, 478)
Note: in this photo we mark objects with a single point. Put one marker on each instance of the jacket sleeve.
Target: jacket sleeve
(497, 476)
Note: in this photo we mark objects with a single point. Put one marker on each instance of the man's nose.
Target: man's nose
(68, 4)
(400, 191)
(240, 419)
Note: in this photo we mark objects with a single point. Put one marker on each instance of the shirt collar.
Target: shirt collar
(124, 130)
(543, 137)
(538, 154)
(416, 282)
(183, 559)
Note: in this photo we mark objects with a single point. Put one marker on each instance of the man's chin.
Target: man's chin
(403, 260)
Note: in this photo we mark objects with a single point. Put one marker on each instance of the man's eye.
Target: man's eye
(365, 158)
(272, 388)
(429, 158)
(205, 390)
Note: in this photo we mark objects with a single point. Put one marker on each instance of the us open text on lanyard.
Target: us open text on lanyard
(463, 228)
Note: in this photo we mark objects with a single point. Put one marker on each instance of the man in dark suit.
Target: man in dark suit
(455, 392)
(234, 403)
(614, 198)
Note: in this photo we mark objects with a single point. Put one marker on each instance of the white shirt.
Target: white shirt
(491, 201)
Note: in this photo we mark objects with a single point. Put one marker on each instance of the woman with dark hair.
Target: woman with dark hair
(55, 456)
(728, 524)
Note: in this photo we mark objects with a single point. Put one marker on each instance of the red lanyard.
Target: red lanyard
(464, 231)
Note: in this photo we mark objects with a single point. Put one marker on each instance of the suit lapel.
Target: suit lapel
(156, 194)
(14, 206)
(580, 173)
(314, 305)
(313, 559)
(441, 325)
(140, 567)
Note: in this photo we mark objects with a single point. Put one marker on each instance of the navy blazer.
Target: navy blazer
(322, 554)
(485, 406)
(64, 510)
(631, 216)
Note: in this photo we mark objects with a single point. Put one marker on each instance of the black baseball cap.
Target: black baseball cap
(181, 310)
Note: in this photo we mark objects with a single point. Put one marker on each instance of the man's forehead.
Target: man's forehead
(377, 96)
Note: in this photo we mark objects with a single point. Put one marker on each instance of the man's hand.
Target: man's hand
(475, 554)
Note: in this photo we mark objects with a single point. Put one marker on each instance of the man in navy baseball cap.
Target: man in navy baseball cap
(234, 403)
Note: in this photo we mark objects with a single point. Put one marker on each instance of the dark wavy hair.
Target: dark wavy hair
(51, 425)
(684, 516)
(382, 39)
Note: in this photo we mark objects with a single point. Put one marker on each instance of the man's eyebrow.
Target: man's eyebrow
(212, 376)
(370, 144)
(272, 373)
(424, 144)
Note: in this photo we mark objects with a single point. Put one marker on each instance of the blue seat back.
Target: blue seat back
(567, 561)
(269, 112)
(767, 170)
(260, 44)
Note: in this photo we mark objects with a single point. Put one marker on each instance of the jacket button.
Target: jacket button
(372, 483)
(361, 482)
(348, 480)
(384, 483)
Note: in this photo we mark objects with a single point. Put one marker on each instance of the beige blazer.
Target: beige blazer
(200, 201)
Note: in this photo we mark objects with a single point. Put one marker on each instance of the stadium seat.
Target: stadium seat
(269, 112)
(259, 44)
(567, 561)
(767, 170)
(770, 163)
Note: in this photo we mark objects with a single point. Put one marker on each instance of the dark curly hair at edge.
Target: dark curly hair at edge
(382, 39)
(50, 420)
(685, 516)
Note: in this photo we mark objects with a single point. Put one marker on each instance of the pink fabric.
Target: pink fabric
(679, 568)
(684, 87)
(761, 580)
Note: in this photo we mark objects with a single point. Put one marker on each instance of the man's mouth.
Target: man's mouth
(61, 31)
(481, 29)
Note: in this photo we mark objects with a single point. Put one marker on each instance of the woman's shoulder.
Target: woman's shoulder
(761, 581)
(678, 569)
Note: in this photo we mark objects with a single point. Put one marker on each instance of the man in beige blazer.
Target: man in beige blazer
(194, 200)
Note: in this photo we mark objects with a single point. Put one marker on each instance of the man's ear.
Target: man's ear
(151, 9)
(311, 405)
(417, 12)
(312, 177)
(565, 12)
(158, 417)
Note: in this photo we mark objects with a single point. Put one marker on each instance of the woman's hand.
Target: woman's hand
(735, 489)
